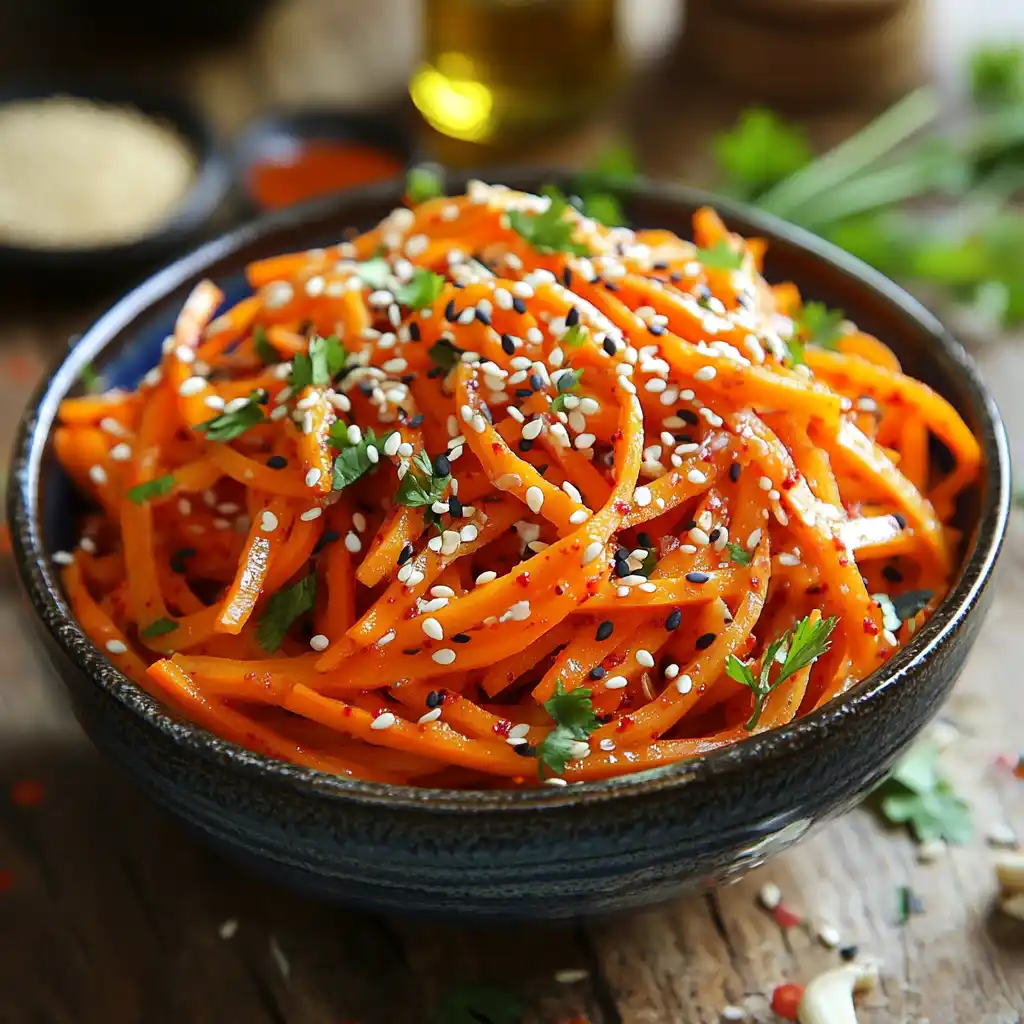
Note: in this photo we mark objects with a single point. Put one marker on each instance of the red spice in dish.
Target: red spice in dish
(317, 168)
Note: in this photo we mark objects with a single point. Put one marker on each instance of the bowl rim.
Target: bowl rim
(36, 573)
(208, 187)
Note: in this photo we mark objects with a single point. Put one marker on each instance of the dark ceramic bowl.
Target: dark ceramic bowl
(541, 853)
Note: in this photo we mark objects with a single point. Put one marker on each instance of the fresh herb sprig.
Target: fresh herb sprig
(422, 485)
(550, 231)
(353, 460)
(568, 382)
(573, 714)
(267, 354)
(721, 256)
(318, 367)
(800, 646)
(159, 627)
(739, 554)
(423, 182)
(155, 488)
(445, 354)
(283, 609)
(596, 187)
(818, 325)
(231, 424)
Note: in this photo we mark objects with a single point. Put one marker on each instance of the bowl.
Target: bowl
(544, 853)
(83, 267)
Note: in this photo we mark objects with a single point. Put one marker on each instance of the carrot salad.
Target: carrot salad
(494, 495)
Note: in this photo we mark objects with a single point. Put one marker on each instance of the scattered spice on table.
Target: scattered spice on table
(908, 903)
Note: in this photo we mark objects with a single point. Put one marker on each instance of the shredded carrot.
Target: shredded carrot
(385, 512)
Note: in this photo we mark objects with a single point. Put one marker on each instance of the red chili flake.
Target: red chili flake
(790, 480)
(593, 586)
(844, 562)
(785, 918)
(755, 582)
(27, 793)
(496, 447)
(346, 711)
(624, 723)
(870, 627)
(786, 1000)
(523, 579)
(6, 880)
(1018, 768)
(616, 436)
(620, 506)
(559, 589)
(502, 728)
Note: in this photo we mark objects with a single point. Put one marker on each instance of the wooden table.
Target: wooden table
(110, 913)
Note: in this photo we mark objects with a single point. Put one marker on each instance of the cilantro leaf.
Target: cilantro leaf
(803, 644)
(797, 355)
(268, 355)
(159, 627)
(574, 718)
(421, 485)
(759, 151)
(374, 273)
(445, 354)
(283, 609)
(423, 288)
(317, 367)
(818, 325)
(229, 425)
(92, 382)
(353, 462)
(424, 182)
(155, 488)
(721, 256)
(997, 75)
(567, 383)
(479, 1004)
(649, 564)
(574, 337)
(739, 554)
(549, 231)
(916, 794)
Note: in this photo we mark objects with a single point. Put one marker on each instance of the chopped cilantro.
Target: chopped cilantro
(445, 354)
(155, 488)
(421, 290)
(574, 718)
(721, 256)
(317, 368)
(818, 325)
(574, 337)
(550, 231)
(759, 151)
(797, 356)
(92, 382)
(567, 383)
(229, 425)
(740, 555)
(283, 609)
(268, 355)
(424, 182)
(421, 485)
(375, 273)
(159, 627)
(801, 646)
(353, 461)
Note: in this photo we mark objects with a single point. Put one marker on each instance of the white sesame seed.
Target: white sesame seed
(733, 1013)
(684, 684)
(114, 427)
(829, 935)
(310, 514)
(383, 721)
(468, 533)
(445, 656)
(705, 373)
(770, 895)
(115, 647)
(519, 731)
(616, 683)
(607, 744)
(584, 441)
(592, 551)
(191, 386)
(268, 522)
(698, 536)
(394, 439)
(644, 658)
(556, 782)
(319, 642)
(313, 477)
(431, 716)
(98, 475)
(359, 521)
(534, 499)
(695, 476)
(486, 577)
(63, 558)
(353, 433)
(754, 539)
(353, 543)
(433, 629)
(386, 638)
(121, 452)
(581, 515)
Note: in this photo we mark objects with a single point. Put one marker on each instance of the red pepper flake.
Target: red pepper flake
(27, 793)
(786, 1000)
(559, 589)
(523, 579)
(624, 723)
(785, 918)
(6, 880)
(790, 480)
(620, 506)
(1018, 769)
(502, 728)
(870, 627)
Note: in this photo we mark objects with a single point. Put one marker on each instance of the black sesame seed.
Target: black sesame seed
(690, 524)
(622, 569)
(697, 577)
(523, 393)
(734, 472)
(414, 331)
(849, 952)
(525, 750)
(609, 286)
(609, 346)
(705, 641)
(703, 292)
(660, 265)
(180, 557)
(900, 521)
(277, 462)
(621, 554)
(435, 698)
(442, 467)
(366, 387)
(598, 672)
(683, 438)
(508, 346)
(435, 372)
(543, 469)
(483, 317)
(688, 416)
(417, 420)
(449, 311)
(644, 539)
(411, 651)
(605, 630)
(406, 553)
(407, 378)
(526, 445)
(518, 305)
(261, 396)
(715, 534)
(461, 638)
(454, 507)
(656, 329)
(892, 574)
(572, 318)
(536, 382)
(327, 537)
(674, 620)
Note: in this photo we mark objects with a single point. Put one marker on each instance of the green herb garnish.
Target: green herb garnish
(155, 488)
(800, 646)
(421, 485)
(159, 627)
(818, 325)
(317, 368)
(353, 461)
(283, 609)
(568, 382)
(268, 355)
(759, 151)
(574, 337)
(615, 168)
(917, 795)
(573, 714)
(797, 356)
(445, 354)
(479, 1004)
(374, 273)
(92, 382)
(424, 182)
(421, 290)
(997, 75)
(229, 425)
(550, 231)
(739, 554)
(721, 256)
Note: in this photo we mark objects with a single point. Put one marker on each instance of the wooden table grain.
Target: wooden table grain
(111, 913)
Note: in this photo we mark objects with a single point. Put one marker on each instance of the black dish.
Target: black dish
(543, 853)
(78, 267)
